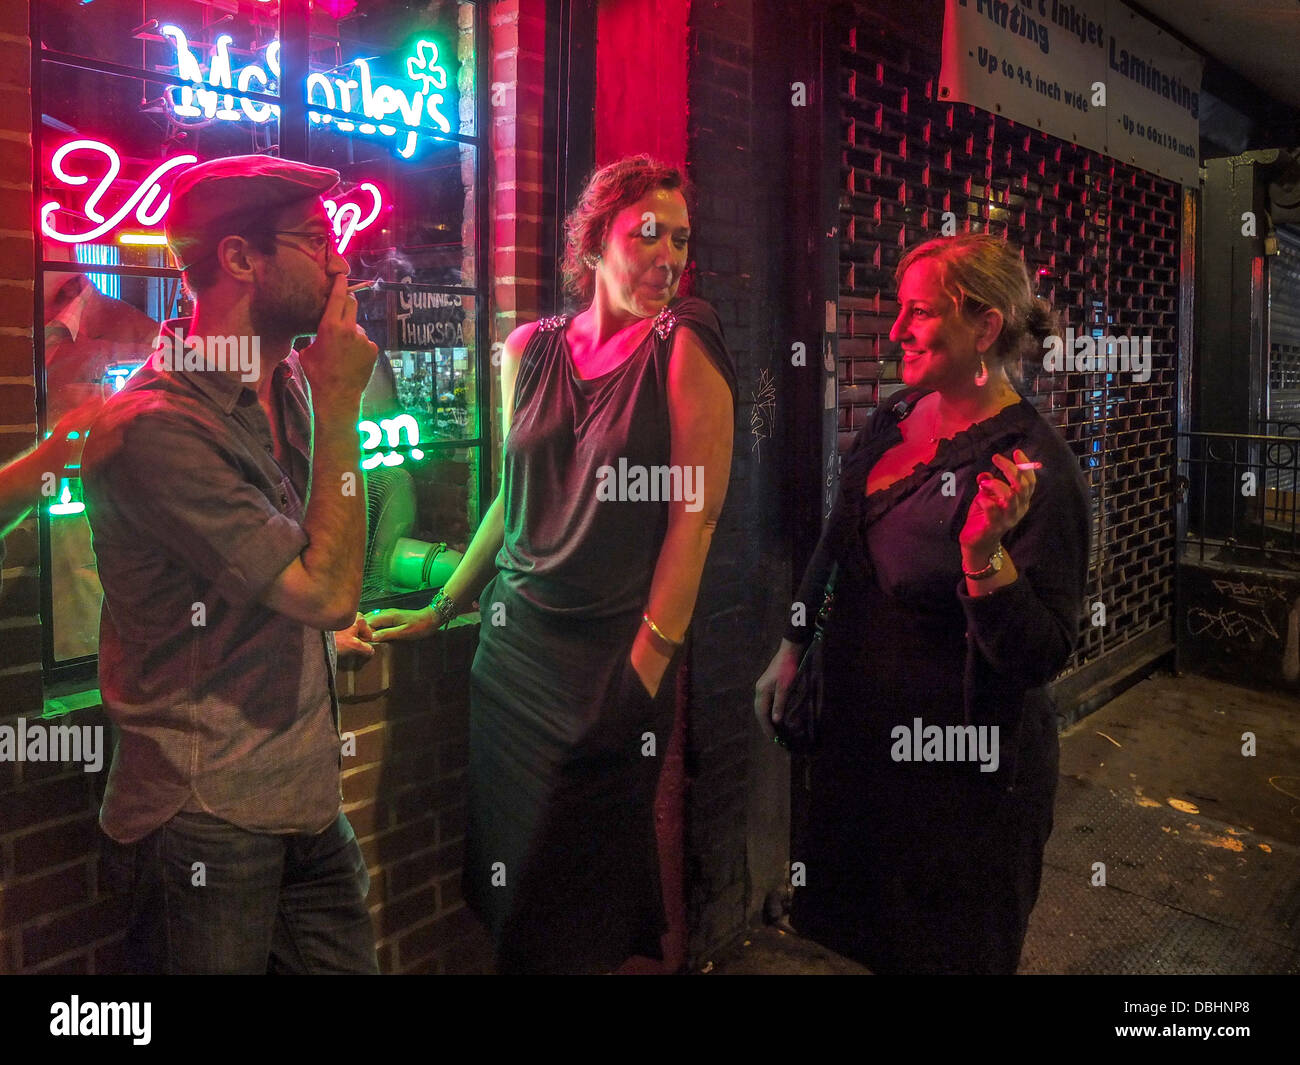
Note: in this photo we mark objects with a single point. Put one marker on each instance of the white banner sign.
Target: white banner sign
(1088, 71)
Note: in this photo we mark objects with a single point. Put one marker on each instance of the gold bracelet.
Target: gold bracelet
(656, 630)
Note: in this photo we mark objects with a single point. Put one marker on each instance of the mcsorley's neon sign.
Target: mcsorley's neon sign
(352, 88)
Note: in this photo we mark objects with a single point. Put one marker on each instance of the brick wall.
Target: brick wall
(737, 811)
(20, 644)
(406, 711)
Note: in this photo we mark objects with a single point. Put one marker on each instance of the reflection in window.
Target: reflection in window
(390, 102)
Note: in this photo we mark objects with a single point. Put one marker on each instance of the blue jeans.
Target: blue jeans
(208, 897)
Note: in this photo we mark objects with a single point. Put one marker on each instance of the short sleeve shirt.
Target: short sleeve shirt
(222, 704)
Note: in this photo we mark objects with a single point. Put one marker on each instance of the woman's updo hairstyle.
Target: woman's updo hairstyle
(981, 272)
(610, 189)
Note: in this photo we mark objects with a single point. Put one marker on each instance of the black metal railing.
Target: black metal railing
(1242, 496)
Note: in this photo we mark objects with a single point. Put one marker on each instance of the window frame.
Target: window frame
(294, 127)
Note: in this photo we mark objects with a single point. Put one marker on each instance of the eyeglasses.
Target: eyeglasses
(317, 242)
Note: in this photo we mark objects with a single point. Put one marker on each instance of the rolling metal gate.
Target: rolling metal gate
(1284, 331)
(1105, 239)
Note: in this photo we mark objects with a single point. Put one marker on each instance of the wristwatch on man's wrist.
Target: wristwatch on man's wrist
(994, 566)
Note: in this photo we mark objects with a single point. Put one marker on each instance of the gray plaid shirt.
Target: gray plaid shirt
(222, 704)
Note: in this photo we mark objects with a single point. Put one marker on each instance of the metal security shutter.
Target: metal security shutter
(1284, 330)
(1104, 239)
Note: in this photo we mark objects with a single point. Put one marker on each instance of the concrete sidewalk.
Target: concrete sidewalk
(1200, 843)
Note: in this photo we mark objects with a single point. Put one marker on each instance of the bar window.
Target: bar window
(128, 93)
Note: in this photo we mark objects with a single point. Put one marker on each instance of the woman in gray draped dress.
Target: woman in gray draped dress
(618, 432)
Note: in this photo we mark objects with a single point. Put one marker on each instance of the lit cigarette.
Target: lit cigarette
(1029, 465)
(360, 285)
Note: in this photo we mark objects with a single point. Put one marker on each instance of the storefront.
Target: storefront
(821, 143)
(129, 95)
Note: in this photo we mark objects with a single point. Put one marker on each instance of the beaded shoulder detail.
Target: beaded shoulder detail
(552, 323)
(663, 323)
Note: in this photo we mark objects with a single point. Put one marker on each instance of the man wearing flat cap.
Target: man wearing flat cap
(230, 539)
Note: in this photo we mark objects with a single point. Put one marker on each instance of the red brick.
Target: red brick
(15, 159)
(16, 260)
(15, 109)
(15, 441)
(427, 966)
(15, 18)
(419, 943)
(453, 758)
(504, 68)
(531, 68)
(75, 965)
(17, 402)
(15, 210)
(401, 842)
(17, 356)
(47, 771)
(55, 845)
(422, 869)
(362, 714)
(414, 907)
(22, 901)
(449, 893)
(367, 818)
(35, 804)
(109, 957)
(518, 131)
(532, 32)
(378, 890)
(22, 692)
(20, 647)
(413, 769)
(452, 822)
(369, 747)
(79, 928)
(15, 63)
(361, 784)
(416, 733)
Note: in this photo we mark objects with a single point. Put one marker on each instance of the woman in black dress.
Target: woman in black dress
(961, 536)
(619, 425)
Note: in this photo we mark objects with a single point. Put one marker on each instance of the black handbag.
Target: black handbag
(799, 729)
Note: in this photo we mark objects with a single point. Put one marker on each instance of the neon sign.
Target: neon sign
(347, 216)
(390, 431)
(144, 201)
(360, 96)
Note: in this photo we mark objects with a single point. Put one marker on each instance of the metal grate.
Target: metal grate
(1284, 328)
(1104, 241)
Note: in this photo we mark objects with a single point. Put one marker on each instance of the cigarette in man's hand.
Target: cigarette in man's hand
(1029, 465)
(360, 285)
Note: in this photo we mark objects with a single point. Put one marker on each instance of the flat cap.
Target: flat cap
(209, 194)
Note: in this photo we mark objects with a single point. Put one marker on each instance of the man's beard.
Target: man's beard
(285, 314)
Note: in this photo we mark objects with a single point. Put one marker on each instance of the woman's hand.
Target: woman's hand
(353, 639)
(648, 661)
(998, 506)
(770, 689)
(388, 625)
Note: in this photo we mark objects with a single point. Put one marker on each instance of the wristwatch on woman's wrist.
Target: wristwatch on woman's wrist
(994, 566)
(443, 607)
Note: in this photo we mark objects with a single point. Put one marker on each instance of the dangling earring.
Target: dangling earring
(982, 378)
(591, 260)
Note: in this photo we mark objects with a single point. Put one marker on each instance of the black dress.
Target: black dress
(565, 743)
(920, 861)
